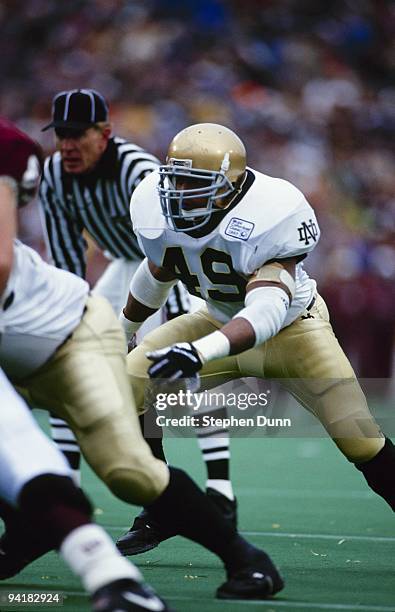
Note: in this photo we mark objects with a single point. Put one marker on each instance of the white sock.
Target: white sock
(223, 486)
(92, 555)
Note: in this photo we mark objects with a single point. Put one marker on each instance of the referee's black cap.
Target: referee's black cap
(77, 109)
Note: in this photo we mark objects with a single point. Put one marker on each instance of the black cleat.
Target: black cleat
(259, 581)
(144, 535)
(127, 595)
(226, 506)
(17, 551)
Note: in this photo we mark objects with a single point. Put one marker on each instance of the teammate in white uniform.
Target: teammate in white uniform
(237, 238)
(41, 506)
(65, 351)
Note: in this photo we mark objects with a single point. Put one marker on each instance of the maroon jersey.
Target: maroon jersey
(20, 159)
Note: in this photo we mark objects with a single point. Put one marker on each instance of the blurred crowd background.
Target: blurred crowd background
(309, 85)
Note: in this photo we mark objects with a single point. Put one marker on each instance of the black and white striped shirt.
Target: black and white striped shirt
(98, 202)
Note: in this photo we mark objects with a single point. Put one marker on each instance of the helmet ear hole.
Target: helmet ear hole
(237, 185)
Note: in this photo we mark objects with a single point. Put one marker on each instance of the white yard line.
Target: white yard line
(367, 495)
(302, 536)
(320, 536)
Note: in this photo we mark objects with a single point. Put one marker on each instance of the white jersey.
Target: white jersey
(269, 220)
(42, 306)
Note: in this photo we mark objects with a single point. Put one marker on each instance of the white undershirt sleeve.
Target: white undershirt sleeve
(147, 289)
(266, 309)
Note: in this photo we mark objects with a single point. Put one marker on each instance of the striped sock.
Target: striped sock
(66, 442)
(214, 443)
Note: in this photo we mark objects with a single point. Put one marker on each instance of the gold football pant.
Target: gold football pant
(305, 355)
(85, 383)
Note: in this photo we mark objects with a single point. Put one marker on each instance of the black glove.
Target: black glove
(173, 362)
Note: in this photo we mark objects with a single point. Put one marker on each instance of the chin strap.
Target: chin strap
(236, 191)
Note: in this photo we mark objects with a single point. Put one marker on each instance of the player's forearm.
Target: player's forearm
(240, 334)
(5, 271)
(136, 311)
(234, 338)
(149, 289)
(7, 232)
(261, 319)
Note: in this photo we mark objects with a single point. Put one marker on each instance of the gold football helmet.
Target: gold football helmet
(205, 165)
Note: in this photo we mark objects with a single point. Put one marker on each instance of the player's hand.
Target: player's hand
(173, 362)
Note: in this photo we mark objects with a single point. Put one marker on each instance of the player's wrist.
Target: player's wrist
(129, 327)
(213, 346)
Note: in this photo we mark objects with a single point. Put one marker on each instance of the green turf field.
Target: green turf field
(333, 539)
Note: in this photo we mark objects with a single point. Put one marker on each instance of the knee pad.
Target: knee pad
(360, 450)
(135, 487)
(346, 417)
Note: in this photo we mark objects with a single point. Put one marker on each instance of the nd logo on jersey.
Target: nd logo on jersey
(307, 232)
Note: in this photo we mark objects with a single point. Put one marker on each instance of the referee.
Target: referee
(87, 185)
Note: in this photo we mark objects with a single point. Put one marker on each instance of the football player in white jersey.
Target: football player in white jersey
(41, 505)
(237, 239)
(64, 350)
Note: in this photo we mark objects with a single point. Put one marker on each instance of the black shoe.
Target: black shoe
(17, 550)
(143, 535)
(226, 506)
(127, 595)
(258, 581)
